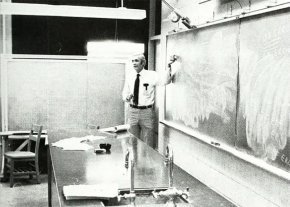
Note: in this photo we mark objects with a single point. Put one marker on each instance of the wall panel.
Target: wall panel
(27, 94)
(105, 85)
(64, 93)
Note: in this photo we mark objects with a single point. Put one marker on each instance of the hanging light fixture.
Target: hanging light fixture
(114, 49)
(8, 8)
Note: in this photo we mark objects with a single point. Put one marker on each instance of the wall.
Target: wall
(203, 12)
(5, 45)
(242, 182)
(1, 51)
(58, 93)
(243, 179)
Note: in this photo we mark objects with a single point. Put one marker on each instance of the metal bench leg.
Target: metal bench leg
(11, 173)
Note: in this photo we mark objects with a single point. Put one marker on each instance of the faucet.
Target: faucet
(171, 193)
(129, 163)
(169, 164)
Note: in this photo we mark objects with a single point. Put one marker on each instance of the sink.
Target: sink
(165, 205)
(145, 198)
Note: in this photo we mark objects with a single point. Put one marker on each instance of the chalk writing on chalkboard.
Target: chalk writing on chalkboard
(265, 86)
(203, 93)
(233, 85)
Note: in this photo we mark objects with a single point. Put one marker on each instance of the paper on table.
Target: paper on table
(92, 138)
(76, 143)
(116, 129)
(101, 191)
(77, 147)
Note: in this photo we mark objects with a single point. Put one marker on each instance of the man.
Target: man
(139, 92)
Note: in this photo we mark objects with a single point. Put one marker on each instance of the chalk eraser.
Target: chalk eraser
(99, 151)
(215, 143)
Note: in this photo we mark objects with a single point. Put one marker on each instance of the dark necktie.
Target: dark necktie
(136, 90)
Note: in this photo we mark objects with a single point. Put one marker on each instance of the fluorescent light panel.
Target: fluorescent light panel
(71, 11)
(113, 49)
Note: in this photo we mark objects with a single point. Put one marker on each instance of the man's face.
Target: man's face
(137, 64)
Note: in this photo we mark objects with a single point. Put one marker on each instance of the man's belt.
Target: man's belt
(141, 107)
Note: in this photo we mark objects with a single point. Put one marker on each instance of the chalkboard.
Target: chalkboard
(203, 93)
(263, 118)
(233, 84)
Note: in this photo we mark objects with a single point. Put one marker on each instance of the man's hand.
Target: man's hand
(129, 97)
(172, 59)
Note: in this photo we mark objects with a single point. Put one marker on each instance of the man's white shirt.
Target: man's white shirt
(148, 81)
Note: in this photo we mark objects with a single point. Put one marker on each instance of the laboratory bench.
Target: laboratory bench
(76, 167)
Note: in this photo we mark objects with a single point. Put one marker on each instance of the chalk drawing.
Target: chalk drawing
(265, 85)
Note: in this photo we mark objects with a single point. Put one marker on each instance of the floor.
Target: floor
(24, 193)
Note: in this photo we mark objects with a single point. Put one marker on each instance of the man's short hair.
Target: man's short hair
(141, 57)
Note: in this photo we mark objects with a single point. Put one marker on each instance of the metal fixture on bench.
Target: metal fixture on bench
(171, 193)
(129, 164)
